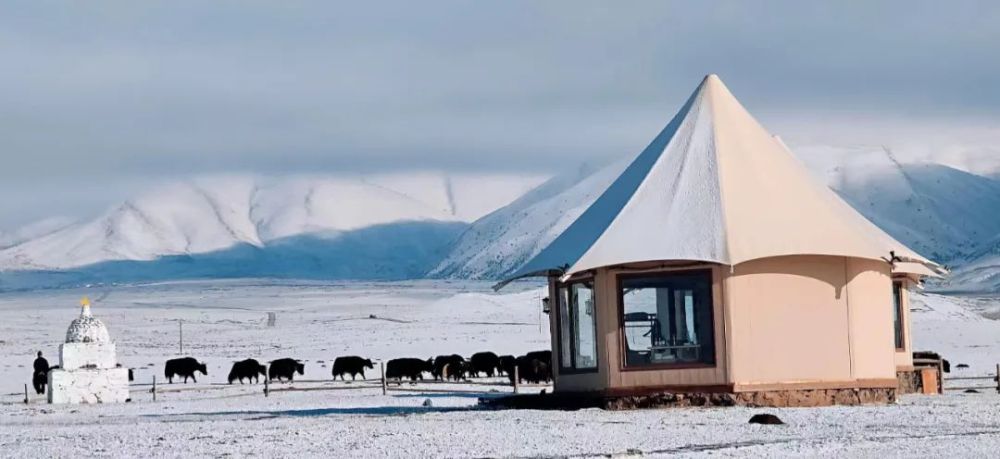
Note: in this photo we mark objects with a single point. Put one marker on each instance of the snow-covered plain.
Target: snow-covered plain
(316, 322)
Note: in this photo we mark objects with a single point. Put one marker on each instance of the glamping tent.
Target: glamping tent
(715, 264)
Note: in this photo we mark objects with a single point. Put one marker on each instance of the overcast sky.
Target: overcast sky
(97, 98)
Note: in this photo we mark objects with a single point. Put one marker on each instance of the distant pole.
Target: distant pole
(153, 390)
(381, 367)
(517, 378)
(998, 378)
(180, 327)
(25, 394)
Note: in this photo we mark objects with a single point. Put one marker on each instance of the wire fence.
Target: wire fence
(992, 382)
(267, 387)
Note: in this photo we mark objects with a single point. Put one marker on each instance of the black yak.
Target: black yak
(506, 364)
(533, 367)
(286, 369)
(250, 369)
(448, 367)
(484, 362)
(544, 356)
(186, 367)
(352, 365)
(407, 368)
(929, 355)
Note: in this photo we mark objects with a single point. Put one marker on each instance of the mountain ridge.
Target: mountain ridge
(213, 213)
(444, 226)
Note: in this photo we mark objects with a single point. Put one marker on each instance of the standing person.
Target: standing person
(41, 376)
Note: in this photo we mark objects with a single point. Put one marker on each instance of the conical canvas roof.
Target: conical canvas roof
(714, 186)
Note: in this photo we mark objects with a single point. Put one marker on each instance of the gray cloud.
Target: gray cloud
(120, 91)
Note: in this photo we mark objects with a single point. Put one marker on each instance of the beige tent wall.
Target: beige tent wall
(869, 297)
(624, 380)
(904, 358)
(798, 320)
(791, 320)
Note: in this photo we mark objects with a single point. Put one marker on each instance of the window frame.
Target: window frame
(898, 285)
(573, 369)
(622, 346)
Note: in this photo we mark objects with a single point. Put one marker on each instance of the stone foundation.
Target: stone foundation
(910, 382)
(776, 398)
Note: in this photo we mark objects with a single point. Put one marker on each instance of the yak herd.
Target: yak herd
(533, 367)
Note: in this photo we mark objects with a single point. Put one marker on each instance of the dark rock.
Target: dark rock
(962, 365)
(768, 419)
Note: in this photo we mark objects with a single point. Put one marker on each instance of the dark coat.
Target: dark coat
(286, 369)
(250, 369)
(41, 365)
(40, 375)
(40, 380)
(352, 365)
(186, 367)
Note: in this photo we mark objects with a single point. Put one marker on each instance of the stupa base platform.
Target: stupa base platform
(87, 385)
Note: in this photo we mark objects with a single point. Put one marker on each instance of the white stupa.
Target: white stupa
(88, 368)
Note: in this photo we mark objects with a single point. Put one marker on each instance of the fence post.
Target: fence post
(998, 378)
(153, 390)
(267, 380)
(517, 378)
(381, 367)
(25, 394)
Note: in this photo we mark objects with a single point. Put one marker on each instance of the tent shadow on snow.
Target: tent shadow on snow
(394, 251)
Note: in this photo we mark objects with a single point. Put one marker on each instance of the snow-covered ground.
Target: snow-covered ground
(316, 322)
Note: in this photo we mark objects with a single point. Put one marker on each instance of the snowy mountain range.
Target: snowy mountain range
(377, 226)
(502, 241)
(944, 213)
(408, 225)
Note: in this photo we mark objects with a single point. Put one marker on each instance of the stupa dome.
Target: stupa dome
(87, 328)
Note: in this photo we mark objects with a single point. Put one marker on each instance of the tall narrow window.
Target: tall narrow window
(667, 319)
(897, 315)
(577, 326)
